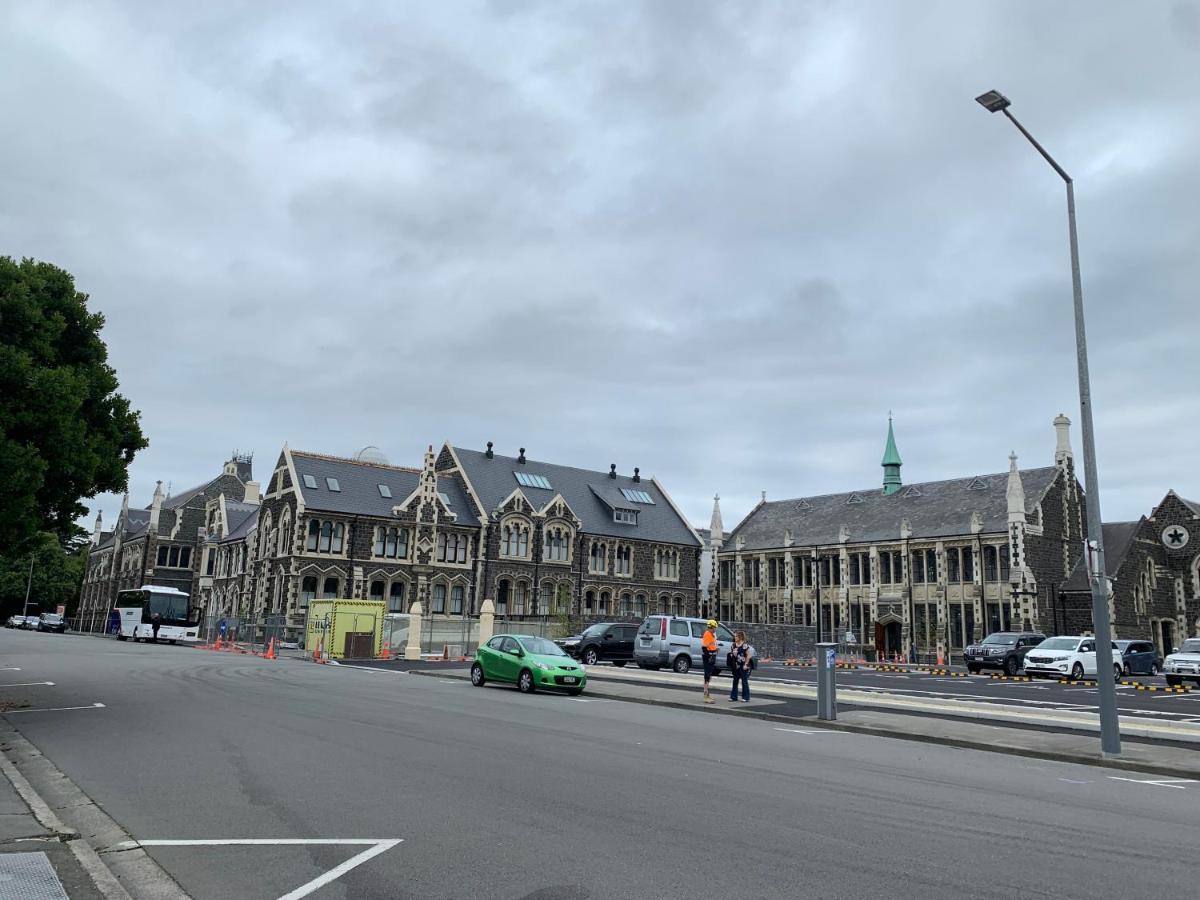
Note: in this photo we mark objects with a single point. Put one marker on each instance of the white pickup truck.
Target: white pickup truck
(1183, 663)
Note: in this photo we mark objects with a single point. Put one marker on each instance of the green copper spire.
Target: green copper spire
(891, 463)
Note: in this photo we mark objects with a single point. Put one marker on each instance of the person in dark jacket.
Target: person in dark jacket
(155, 624)
(740, 657)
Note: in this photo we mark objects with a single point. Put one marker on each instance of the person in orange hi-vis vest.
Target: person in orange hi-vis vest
(708, 653)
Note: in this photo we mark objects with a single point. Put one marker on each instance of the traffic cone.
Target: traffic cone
(270, 654)
(217, 645)
(386, 653)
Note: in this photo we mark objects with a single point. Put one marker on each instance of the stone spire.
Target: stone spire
(1015, 492)
(97, 529)
(156, 508)
(891, 463)
(1062, 430)
(716, 530)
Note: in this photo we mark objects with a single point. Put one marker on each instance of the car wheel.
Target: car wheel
(477, 678)
(973, 670)
(525, 682)
(1153, 670)
(620, 663)
(1012, 666)
(1174, 680)
(575, 692)
(683, 664)
(1116, 671)
(1076, 671)
(1124, 670)
(590, 656)
(122, 637)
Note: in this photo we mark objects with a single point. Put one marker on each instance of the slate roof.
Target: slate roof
(177, 500)
(1192, 505)
(933, 509)
(243, 517)
(359, 482)
(1118, 540)
(590, 495)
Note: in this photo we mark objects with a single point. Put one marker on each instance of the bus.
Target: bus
(133, 615)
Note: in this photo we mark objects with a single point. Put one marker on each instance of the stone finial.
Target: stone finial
(844, 533)
(156, 507)
(905, 529)
(787, 538)
(1015, 492)
(976, 522)
(740, 543)
(1062, 431)
(97, 529)
(716, 528)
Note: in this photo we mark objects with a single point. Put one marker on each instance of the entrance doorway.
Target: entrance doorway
(1167, 633)
(887, 639)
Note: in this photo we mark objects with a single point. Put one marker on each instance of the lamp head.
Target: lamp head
(993, 101)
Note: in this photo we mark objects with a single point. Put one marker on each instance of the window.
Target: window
(515, 541)
(211, 563)
(439, 598)
(525, 479)
(953, 572)
(185, 557)
(445, 498)
(773, 571)
(173, 561)
(377, 589)
(502, 590)
(339, 533)
(727, 572)
(452, 548)
(314, 531)
(860, 568)
(456, 599)
(310, 481)
(332, 484)
(308, 590)
(891, 568)
(750, 577)
(666, 564)
(802, 572)
(326, 537)
(637, 496)
(624, 560)
(1004, 563)
(396, 597)
(679, 629)
(924, 567)
(162, 555)
(520, 594)
(385, 491)
(968, 568)
(329, 590)
(991, 565)
(598, 560)
(625, 516)
(558, 543)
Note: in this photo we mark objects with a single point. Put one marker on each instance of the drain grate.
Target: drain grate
(29, 876)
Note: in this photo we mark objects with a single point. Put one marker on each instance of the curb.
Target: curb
(1025, 752)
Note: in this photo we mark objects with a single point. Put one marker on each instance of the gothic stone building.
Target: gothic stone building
(935, 565)
(225, 579)
(468, 526)
(156, 545)
(1154, 569)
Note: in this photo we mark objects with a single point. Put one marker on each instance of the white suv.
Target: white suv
(1184, 662)
(1067, 657)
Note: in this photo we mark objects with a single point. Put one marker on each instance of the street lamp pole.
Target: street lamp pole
(1110, 735)
(28, 587)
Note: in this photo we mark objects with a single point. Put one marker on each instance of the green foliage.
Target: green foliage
(57, 575)
(65, 433)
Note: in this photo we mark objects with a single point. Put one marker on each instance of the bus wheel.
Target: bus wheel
(172, 643)
(121, 637)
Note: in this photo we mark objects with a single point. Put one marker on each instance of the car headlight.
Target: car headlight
(543, 666)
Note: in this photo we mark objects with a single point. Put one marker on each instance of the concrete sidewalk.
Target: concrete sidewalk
(793, 708)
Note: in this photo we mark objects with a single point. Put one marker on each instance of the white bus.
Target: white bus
(135, 611)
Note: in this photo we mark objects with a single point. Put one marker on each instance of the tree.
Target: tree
(57, 575)
(65, 432)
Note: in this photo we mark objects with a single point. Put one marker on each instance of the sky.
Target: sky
(719, 241)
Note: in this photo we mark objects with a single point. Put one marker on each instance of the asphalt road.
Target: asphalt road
(501, 795)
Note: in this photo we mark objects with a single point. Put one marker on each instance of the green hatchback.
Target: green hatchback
(529, 663)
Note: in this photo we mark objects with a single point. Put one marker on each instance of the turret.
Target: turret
(891, 463)
(1062, 449)
(97, 529)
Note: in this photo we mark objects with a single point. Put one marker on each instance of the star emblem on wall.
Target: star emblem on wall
(1175, 537)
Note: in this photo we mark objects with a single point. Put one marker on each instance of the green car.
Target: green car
(529, 663)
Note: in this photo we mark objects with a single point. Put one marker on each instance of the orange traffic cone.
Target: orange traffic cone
(386, 653)
(270, 654)
(217, 645)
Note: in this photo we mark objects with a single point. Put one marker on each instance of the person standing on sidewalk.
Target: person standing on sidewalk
(155, 624)
(740, 657)
(708, 655)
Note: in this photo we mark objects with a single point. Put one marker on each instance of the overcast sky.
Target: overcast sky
(719, 241)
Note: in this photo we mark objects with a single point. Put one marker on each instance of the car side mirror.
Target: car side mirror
(1174, 649)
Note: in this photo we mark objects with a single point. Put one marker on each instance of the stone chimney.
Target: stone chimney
(253, 494)
(156, 508)
(1062, 449)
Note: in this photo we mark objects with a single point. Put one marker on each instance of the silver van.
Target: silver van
(675, 641)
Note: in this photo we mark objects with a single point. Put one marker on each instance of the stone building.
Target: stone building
(933, 566)
(157, 545)
(1154, 569)
(225, 579)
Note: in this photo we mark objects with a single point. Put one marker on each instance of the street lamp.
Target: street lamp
(1110, 735)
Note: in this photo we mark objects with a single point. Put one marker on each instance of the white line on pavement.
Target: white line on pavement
(1177, 783)
(1074, 781)
(55, 709)
(10, 668)
(375, 846)
(802, 731)
(28, 684)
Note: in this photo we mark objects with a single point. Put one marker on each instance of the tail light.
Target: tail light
(663, 633)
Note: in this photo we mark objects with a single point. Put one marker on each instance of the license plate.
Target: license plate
(568, 680)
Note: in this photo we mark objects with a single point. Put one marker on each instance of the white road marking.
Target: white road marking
(55, 709)
(375, 846)
(802, 731)
(591, 700)
(1177, 783)
(1073, 781)
(10, 668)
(28, 684)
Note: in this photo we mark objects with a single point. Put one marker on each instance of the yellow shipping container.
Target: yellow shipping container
(345, 629)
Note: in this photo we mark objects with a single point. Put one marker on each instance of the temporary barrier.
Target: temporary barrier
(345, 629)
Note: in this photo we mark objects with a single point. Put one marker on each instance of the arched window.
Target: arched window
(991, 564)
(457, 593)
(520, 598)
(598, 559)
(396, 597)
(285, 534)
(502, 590)
(308, 590)
(314, 532)
(562, 598)
(666, 564)
(605, 603)
(641, 604)
(326, 537)
(377, 589)
(589, 602)
(329, 590)
(439, 598)
(558, 544)
(339, 533)
(627, 604)
(624, 560)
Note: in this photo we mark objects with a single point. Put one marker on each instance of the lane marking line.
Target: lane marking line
(1177, 783)
(10, 668)
(375, 846)
(802, 731)
(1074, 781)
(55, 709)
(28, 684)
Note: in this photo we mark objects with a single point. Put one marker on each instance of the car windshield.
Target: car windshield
(1191, 645)
(594, 630)
(1006, 640)
(1058, 643)
(52, 617)
(541, 647)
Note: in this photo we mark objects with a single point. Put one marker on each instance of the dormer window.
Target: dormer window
(625, 516)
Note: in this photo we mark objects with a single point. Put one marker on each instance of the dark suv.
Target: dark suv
(612, 641)
(1002, 650)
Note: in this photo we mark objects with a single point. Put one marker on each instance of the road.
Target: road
(506, 796)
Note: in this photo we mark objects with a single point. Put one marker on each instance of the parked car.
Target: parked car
(52, 622)
(1068, 657)
(1139, 658)
(611, 641)
(30, 623)
(1004, 650)
(14, 622)
(528, 662)
(675, 641)
(1183, 662)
